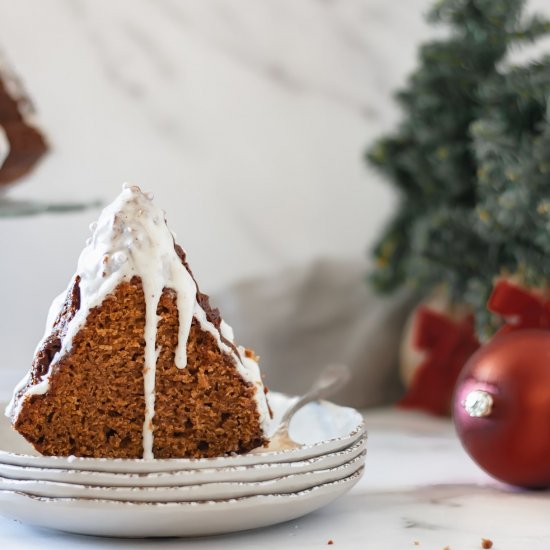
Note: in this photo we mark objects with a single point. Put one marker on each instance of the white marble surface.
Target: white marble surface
(419, 486)
(248, 120)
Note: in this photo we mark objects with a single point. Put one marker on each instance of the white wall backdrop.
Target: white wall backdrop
(247, 120)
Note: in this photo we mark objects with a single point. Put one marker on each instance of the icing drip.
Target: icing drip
(130, 239)
(4, 147)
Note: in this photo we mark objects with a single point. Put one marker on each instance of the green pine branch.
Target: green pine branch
(470, 160)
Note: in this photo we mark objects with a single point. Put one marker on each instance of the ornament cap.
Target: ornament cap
(478, 403)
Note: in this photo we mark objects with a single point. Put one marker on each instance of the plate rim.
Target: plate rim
(356, 475)
(360, 458)
(353, 447)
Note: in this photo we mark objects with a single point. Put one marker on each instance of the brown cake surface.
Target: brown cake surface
(206, 408)
(90, 398)
(95, 406)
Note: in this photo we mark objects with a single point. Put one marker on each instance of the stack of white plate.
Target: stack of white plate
(187, 497)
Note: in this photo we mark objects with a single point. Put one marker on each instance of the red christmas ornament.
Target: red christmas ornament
(502, 408)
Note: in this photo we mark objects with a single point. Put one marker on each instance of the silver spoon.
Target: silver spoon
(332, 378)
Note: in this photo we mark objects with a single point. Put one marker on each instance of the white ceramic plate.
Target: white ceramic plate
(204, 491)
(173, 519)
(252, 473)
(321, 427)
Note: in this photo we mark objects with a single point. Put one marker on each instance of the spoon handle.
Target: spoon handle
(332, 378)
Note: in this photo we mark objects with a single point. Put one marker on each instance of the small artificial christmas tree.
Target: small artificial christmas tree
(471, 161)
(512, 214)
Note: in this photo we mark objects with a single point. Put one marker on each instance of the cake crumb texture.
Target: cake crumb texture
(95, 405)
(205, 409)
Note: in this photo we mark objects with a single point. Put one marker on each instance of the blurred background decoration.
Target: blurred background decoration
(22, 145)
(471, 236)
(471, 162)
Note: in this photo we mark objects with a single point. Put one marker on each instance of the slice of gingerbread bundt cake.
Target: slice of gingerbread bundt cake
(135, 362)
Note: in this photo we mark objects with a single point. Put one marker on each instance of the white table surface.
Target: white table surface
(419, 486)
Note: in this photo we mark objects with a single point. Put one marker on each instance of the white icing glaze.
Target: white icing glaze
(227, 331)
(12, 410)
(130, 239)
(4, 146)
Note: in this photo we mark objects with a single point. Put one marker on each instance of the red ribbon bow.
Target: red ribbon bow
(519, 307)
(448, 345)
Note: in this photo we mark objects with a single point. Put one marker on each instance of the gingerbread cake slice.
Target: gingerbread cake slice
(135, 362)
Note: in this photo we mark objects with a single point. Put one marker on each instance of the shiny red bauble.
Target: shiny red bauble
(501, 408)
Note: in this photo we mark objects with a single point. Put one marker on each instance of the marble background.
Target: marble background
(248, 120)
